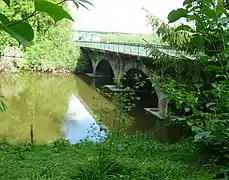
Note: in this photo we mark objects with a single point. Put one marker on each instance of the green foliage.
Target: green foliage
(83, 64)
(24, 20)
(56, 12)
(20, 17)
(119, 157)
(205, 102)
(54, 50)
(18, 28)
(177, 14)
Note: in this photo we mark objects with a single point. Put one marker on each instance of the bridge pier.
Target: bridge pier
(93, 75)
(106, 63)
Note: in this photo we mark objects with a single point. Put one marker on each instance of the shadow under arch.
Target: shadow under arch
(104, 68)
(138, 80)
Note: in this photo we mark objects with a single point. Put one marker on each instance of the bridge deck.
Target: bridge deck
(131, 48)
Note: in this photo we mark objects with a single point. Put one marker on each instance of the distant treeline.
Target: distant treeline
(123, 37)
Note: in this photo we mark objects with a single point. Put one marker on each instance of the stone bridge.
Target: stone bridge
(117, 60)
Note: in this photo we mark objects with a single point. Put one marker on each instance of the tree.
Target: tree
(17, 19)
(21, 29)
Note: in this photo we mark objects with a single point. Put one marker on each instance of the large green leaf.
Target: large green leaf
(198, 41)
(177, 14)
(7, 2)
(212, 68)
(56, 12)
(183, 27)
(4, 19)
(22, 31)
(211, 14)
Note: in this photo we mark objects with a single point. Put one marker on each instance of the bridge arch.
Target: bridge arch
(158, 98)
(104, 67)
(137, 79)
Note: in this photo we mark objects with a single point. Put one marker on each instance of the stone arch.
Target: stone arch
(105, 67)
(162, 102)
(136, 65)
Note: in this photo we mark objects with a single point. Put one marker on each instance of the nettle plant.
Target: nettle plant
(206, 101)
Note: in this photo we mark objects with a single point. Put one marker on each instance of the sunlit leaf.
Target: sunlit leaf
(56, 12)
(187, 109)
(210, 104)
(202, 135)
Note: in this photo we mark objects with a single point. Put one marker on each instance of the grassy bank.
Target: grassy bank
(120, 157)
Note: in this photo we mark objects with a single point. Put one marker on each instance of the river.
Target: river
(42, 100)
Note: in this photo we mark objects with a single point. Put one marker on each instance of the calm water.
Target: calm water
(42, 100)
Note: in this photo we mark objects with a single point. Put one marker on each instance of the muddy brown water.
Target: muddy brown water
(42, 100)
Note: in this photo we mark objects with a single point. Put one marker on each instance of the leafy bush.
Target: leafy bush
(84, 64)
(206, 101)
(54, 50)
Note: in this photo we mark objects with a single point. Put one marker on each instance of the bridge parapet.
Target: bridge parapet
(127, 48)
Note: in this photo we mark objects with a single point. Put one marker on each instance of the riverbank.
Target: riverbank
(119, 157)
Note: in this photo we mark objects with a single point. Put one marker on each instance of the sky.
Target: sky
(121, 15)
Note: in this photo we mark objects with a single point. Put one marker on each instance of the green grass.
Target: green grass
(136, 157)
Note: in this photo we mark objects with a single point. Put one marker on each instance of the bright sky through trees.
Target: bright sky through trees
(121, 15)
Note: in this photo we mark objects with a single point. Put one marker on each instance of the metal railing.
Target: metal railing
(126, 48)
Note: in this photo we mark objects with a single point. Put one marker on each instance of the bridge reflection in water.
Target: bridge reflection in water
(42, 100)
(120, 62)
(138, 118)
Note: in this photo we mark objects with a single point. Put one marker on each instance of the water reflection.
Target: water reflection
(79, 125)
(42, 100)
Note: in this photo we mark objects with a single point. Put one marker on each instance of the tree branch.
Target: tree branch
(17, 22)
(31, 15)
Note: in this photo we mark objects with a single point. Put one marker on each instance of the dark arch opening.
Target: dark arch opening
(137, 80)
(104, 69)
